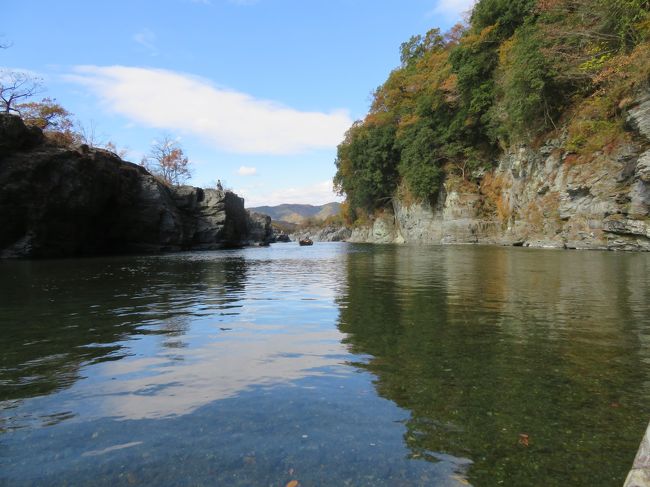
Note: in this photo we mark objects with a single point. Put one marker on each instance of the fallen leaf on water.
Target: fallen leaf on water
(292, 483)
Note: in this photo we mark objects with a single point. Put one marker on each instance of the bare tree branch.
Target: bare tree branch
(16, 86)
(167, 160)
(87, 134)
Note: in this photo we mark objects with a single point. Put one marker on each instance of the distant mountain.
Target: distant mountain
(298, 213)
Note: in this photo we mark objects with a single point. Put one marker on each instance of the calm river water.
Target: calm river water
(329, 365)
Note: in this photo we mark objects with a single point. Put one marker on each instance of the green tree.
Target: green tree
(420, 162)
(475, 59)
(505, 15)
(367, 165)
(528, 96)
(417, 46)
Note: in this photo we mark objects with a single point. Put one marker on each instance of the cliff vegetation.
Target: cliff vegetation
(519, 73)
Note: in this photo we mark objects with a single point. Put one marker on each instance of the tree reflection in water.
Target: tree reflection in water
(49, 329)
(533, 364)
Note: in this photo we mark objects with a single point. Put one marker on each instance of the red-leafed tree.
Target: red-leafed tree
(167, 160)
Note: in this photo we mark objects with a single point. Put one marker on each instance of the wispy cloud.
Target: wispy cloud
(312, 194)
(247, 171)
(147, 39)
(202, 2)
(230, 120)
(452, 9)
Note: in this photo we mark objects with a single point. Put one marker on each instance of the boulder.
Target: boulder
(14, 135)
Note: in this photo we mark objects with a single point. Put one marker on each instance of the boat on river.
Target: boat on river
(305, 241)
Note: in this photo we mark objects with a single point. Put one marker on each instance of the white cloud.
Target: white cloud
(224, 369)
(453, 8)
(147, 39)
(230, 120)
(313, 194)
(247, 171)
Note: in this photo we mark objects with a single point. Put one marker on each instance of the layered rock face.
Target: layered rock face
(538, 197)
(326, 234)
(69, 201)
(213, 219)
(259, 227)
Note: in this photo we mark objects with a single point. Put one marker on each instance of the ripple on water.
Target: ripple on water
(333, 365)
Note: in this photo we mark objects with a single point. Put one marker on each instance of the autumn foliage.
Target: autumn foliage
(167, 160)
(519, 69)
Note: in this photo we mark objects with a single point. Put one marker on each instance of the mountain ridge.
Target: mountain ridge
(298, 213)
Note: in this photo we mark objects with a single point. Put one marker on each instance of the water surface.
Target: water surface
(330, 365)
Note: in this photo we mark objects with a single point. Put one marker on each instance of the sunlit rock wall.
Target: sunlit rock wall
(538, 197)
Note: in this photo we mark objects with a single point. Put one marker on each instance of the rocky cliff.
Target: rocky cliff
(538, 197)
(329, 233)
(68, 201)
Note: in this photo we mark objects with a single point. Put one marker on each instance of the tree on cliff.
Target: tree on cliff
(518, 72)
(167, 160)
(46, 114)
(15, 86)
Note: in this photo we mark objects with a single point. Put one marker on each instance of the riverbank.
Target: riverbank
(639, 476)
(537, 197)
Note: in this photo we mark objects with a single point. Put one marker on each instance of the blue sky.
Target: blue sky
(258, 92)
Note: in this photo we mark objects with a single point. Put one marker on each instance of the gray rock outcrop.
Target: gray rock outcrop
(540, 198)
(329, 233)
(259, 228)
(69, 201)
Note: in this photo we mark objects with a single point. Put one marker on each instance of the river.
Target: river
(336, 364)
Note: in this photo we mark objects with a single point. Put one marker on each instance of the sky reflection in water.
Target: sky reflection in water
(335, 364)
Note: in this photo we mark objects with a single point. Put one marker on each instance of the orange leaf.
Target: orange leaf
(293, 483)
